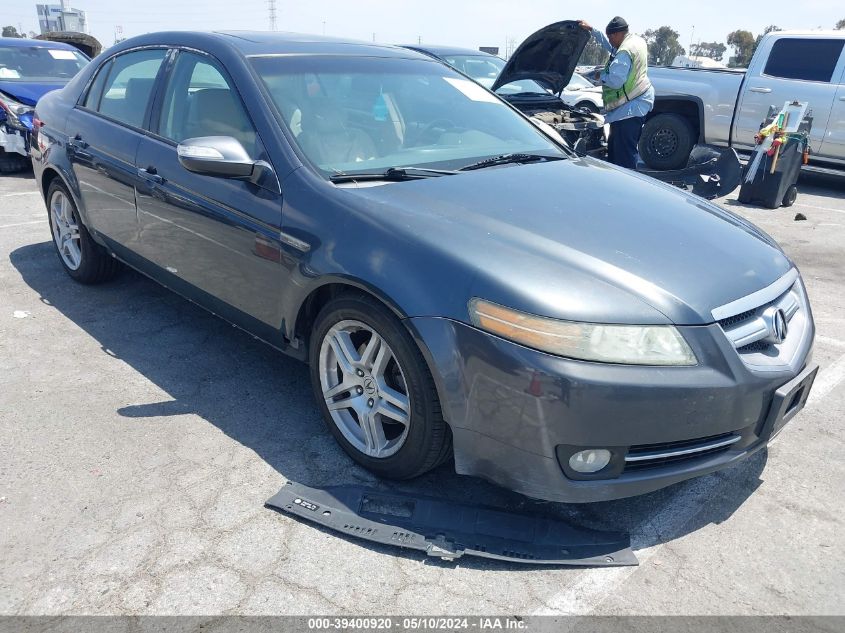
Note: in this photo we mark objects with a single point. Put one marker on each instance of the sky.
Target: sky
(468, 23)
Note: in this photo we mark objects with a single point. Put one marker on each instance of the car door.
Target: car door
(833, 145)
(803, 68)
(215, 239)
(104, 130)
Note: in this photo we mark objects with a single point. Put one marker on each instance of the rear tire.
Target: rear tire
(370, 390)
(82, 258)
(666, 142)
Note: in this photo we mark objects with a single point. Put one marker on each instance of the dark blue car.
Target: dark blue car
(28, 70)
(461, 284)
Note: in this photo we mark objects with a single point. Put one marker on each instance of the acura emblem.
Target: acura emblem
(777, 325)
(780, 328)
(370, 387)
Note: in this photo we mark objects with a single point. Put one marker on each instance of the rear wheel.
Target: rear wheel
(82, 258)
(375, 391)
(666, 142)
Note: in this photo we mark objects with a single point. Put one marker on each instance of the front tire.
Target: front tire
(82, 258)
(375, 391)
(666, 142)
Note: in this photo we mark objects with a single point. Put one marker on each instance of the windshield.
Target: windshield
(483, 68)
(38, 63)
(359, 114)
(523, 86)
(486, 68)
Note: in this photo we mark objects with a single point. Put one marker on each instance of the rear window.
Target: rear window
(39, 63)
(806, 59)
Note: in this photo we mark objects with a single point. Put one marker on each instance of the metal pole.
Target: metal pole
(271, 8)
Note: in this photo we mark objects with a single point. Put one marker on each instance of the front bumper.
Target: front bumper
(14, 140)
(516, 413)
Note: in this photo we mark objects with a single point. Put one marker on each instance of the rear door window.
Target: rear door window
(805, 59)
(92, 99)
(129, 86)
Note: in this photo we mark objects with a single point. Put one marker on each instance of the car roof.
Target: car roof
(810, 33)
(257, 43)
(441, 51)
(17, 42)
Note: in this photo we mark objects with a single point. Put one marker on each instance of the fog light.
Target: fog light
(591, 461)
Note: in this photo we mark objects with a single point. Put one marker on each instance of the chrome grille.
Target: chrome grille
(748, 323)
(655, 455)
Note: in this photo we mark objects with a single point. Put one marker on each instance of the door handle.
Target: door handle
(150, 175)
(842, 98)
(77, 143)
(765, 91)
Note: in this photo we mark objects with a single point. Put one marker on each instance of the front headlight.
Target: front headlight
(14, 110)
(623, 344)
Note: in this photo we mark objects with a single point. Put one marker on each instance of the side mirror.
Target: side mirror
(225, 157)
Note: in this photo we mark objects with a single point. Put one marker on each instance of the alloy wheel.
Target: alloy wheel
(65, 228)
(364, 389)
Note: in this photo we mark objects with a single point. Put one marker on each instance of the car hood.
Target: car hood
(549, 56)
(27, 92)
(583, 240)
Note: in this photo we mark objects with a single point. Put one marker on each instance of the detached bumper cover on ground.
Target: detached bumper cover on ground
(449, 530)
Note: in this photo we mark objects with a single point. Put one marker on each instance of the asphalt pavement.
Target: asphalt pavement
(140, 437)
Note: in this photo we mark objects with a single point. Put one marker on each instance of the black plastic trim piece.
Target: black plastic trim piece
(448, 530)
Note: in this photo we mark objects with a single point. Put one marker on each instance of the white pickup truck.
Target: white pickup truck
(726, 107)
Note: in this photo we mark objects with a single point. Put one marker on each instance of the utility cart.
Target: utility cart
(770, 178)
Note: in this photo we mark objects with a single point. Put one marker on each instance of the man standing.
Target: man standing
(627, 92)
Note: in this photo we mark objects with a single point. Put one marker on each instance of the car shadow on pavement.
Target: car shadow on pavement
(25, 174)
(827, 185)
(263, 400)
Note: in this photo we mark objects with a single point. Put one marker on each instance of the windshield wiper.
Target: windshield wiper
(506, 159)
(394, 174)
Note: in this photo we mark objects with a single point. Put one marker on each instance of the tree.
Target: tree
(743, 43)
(713, 50)
(769, 29)
(840, 25)
(11, 31)
(593, 55)
(663, 45)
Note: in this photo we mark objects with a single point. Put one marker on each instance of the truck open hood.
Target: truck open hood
(549, 56)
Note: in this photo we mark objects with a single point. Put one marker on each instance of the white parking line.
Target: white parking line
(595, 585)
(8, 226)
(828, 379)
(812, 206)
(20, 193)
(826, 340)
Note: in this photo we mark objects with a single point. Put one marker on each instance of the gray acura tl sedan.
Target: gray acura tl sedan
(460, 284)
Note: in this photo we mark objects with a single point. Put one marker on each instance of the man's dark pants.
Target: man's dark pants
(622, 144)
